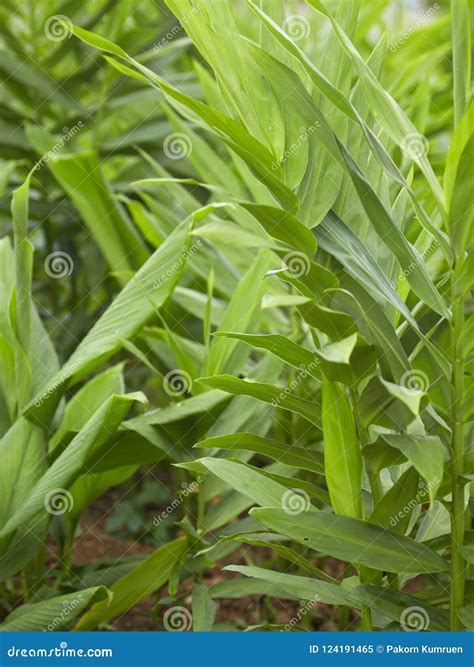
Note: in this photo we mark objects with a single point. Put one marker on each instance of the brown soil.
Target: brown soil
(95, 543)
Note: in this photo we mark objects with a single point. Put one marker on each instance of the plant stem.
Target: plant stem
(458, 564)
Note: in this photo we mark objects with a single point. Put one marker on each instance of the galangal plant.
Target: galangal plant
(337, 372)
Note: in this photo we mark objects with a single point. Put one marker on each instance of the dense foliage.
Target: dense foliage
(239, 255)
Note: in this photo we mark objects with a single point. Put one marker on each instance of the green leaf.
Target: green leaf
(458, 183)
(385, 109)
(283, 226)
(396, 605)
(54, 614)
(299, 457)
(204, 609)
(247, 481)
(81, 177)
(268, 393)
(425, 453)
(282, 347)
(241, 312)
(461, 38)
(336, 324)
(87, 400)
(389, 404)
(142, 581)
(354, 541)
(303, 588)
(60, 475)
(342, 455)
(394, 509)
(133, 306)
